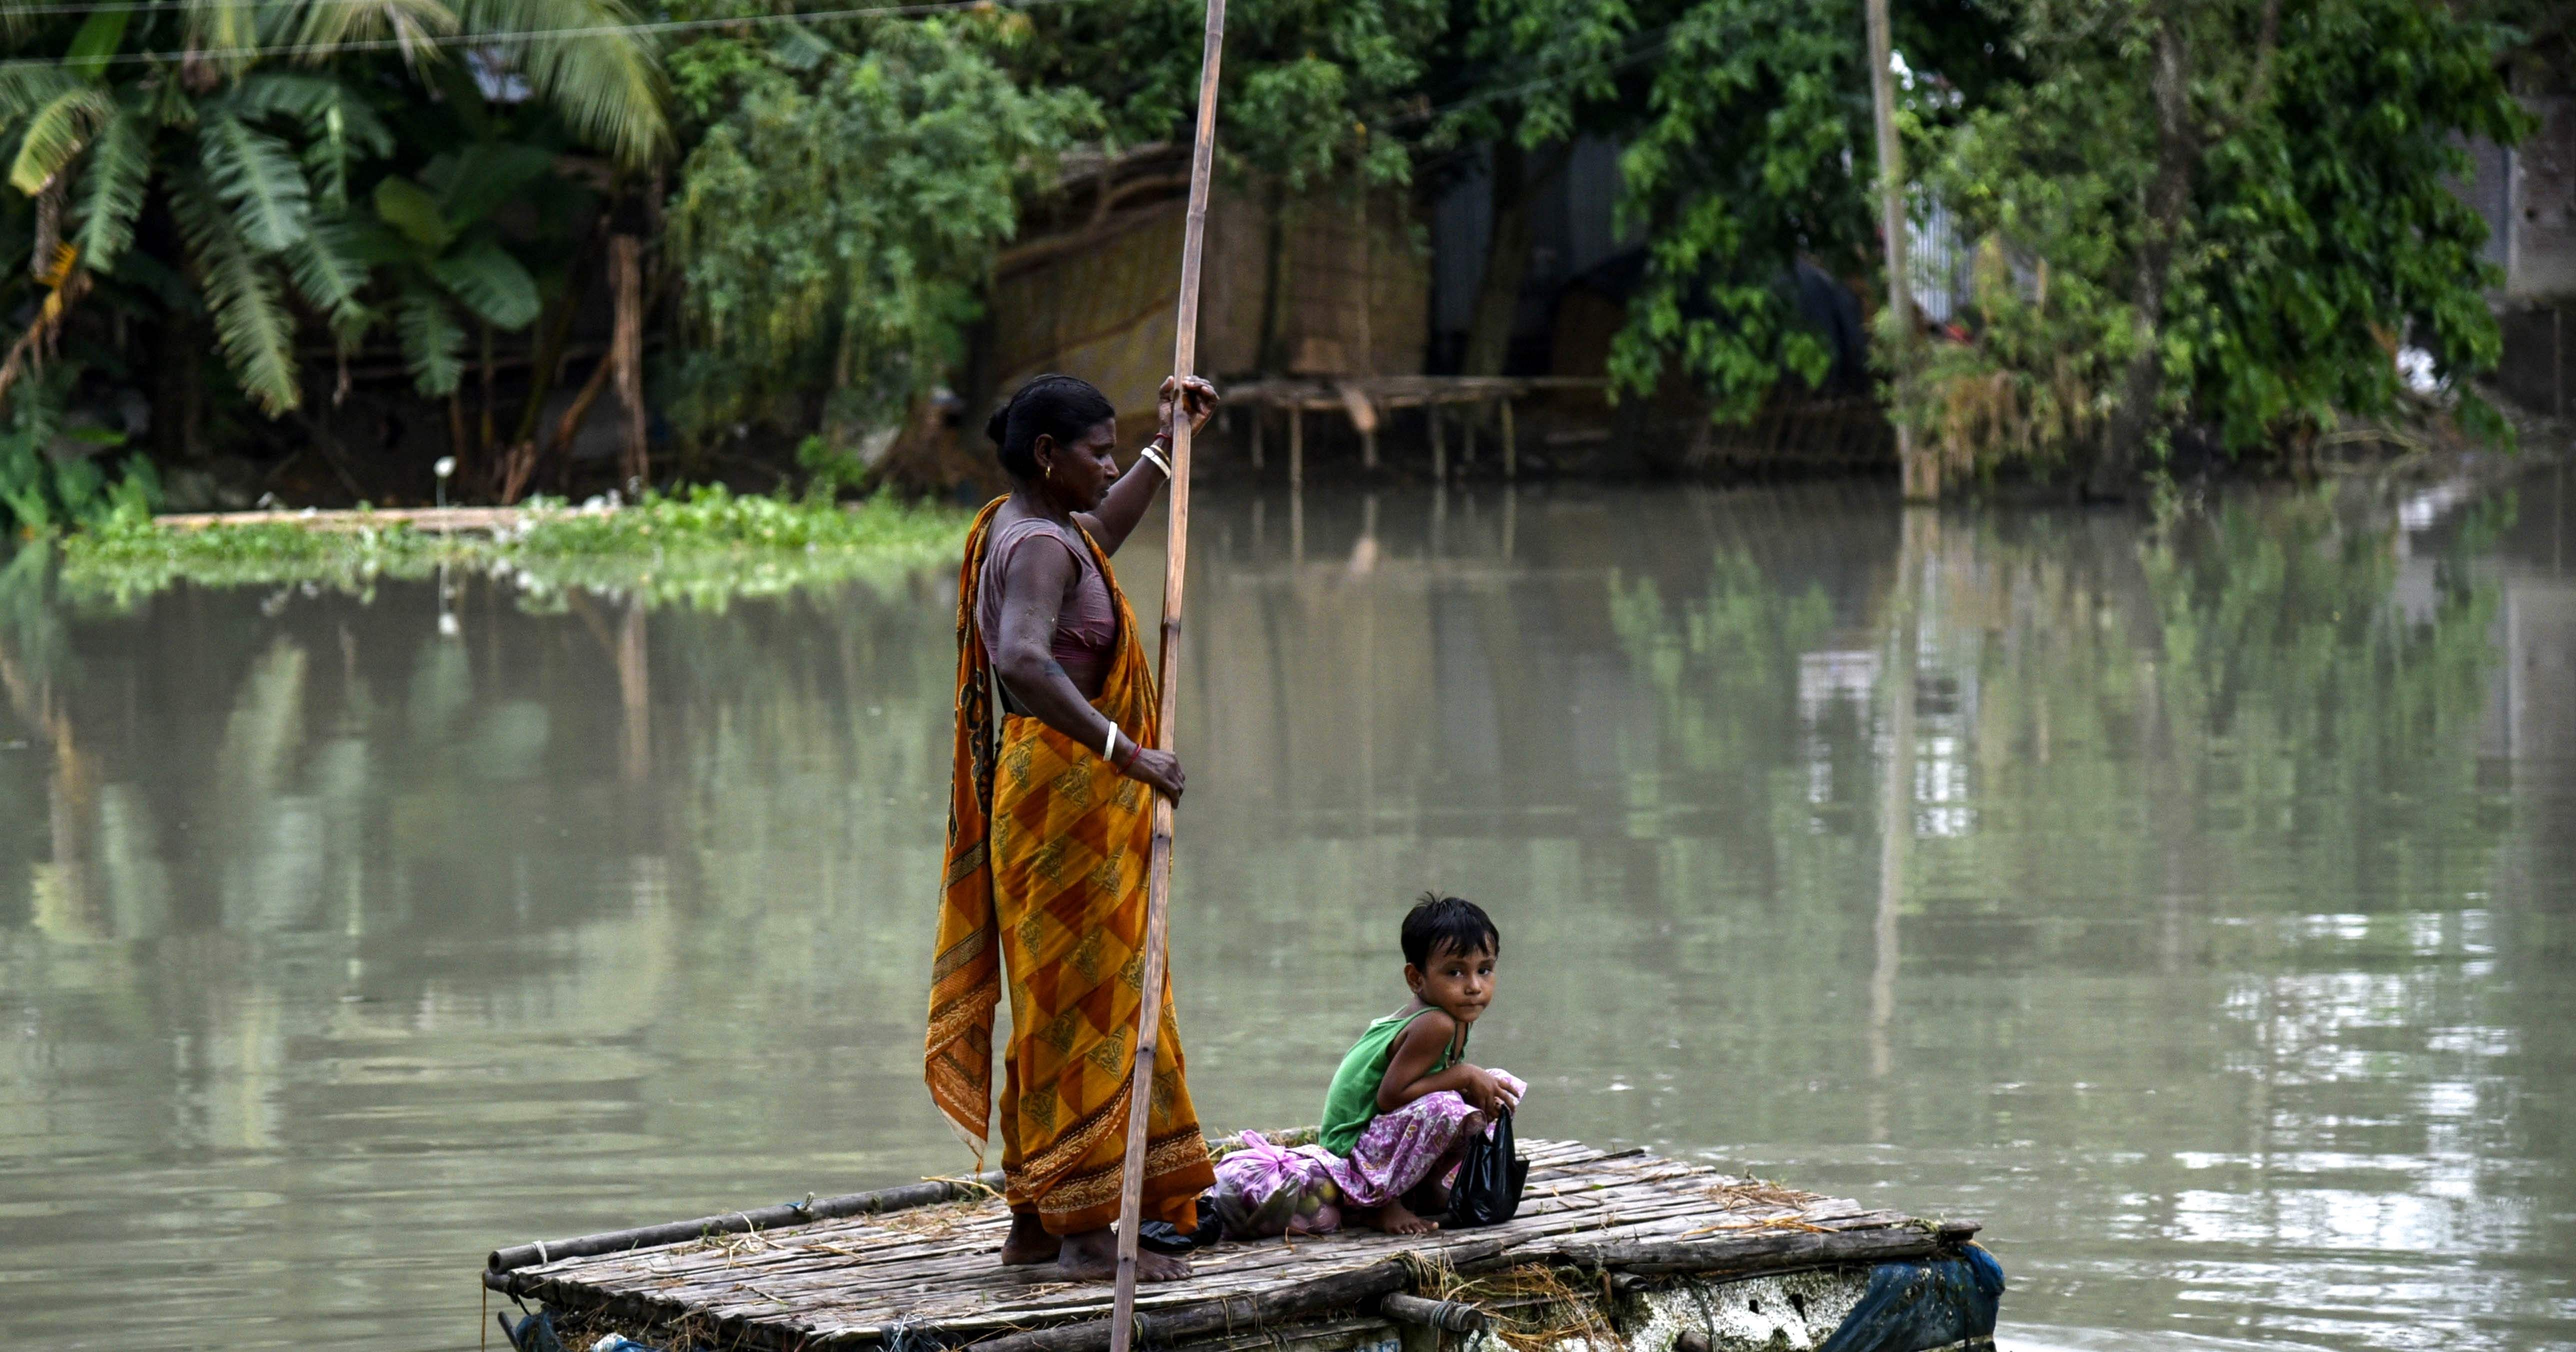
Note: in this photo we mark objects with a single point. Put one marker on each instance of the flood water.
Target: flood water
(2198, 910)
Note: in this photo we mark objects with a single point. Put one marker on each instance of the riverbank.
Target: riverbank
(702, 546)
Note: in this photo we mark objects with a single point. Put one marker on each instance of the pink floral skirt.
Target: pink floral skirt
(1398, 1151)
(1262, 1189)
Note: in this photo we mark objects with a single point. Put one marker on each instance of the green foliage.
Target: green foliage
(42, 490)
(1540, 70)
(255, 162)
(2328, 225)
(434, 242)
(2322, 229)
(1314, 90)
(2037, 380)
(1761, 112)
(835, 221)
(844, 185)
(830, 470)
(1748, 148)
(700, 548)
(242, 292)
(607, 85)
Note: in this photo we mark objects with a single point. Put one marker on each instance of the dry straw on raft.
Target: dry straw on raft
(1529, 1308)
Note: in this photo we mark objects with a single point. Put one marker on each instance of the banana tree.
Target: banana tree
(246, 122)
(444, 261)
(251, 170)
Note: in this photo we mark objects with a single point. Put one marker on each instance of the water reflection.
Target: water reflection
(2194, 907)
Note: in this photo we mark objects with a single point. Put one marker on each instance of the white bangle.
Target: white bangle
(1156, 456)
(1109, 745)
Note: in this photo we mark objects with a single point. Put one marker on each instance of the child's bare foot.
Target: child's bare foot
(1092, 1256)
(1395, 1218)
(1029, 1243)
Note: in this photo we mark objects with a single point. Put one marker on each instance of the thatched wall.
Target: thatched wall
(1351, 297)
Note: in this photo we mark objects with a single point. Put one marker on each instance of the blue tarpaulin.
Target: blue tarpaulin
(1911, 1307)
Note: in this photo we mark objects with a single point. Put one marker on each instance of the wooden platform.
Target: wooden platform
(1363, 399)
(346, 520)
(914, 1276)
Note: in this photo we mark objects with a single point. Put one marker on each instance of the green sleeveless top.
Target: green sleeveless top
(1351, 1104)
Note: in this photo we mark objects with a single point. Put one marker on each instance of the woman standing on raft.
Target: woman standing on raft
(1050, 820)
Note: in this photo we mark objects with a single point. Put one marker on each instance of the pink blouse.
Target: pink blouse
(1086, 628)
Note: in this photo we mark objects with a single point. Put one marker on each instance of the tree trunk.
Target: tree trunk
(1920, 470)
(2134, 422)
(489, 394)
(457, 443)
(626, 348)
(1516, 180)
(49, 228)
(554, 333)
(526, 449)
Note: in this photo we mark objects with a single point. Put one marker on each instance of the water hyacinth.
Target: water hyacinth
(700, 547)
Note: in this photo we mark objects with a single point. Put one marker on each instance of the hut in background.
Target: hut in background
(1331, 282)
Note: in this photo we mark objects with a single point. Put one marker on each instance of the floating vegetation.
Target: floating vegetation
(702, 548)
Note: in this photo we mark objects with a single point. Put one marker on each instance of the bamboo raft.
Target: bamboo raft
(915, 1267)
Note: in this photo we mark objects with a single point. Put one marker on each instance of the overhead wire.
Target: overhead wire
(504, 39)
(161, 6)
(1589, 69)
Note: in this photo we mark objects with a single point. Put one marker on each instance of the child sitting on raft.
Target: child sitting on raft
(1401, 1108)
(1406, 1100)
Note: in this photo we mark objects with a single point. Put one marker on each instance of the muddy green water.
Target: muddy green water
(2199, 911)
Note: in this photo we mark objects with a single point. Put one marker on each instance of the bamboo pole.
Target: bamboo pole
(1919, 472)
(1158, 894)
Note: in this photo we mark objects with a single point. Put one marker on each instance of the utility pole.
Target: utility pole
(1922, 474)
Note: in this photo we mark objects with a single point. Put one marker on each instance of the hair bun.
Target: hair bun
(1052, 405)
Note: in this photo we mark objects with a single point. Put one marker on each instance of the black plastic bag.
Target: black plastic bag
(1928, 1303)
(1166, 1238)
(536, 1333)
(1490, 1178)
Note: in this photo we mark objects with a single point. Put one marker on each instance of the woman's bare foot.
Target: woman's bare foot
(1092, 1256)
(1395, 1218)
(1029, 1242)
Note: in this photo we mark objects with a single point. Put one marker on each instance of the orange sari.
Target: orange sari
(1045, 878)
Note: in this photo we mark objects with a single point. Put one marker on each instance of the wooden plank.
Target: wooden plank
(858, 1278)
(1049, 1302)
(929, 1192)
(1753, 1253)
(1338, 1291)
(458, 520)
(906, 1266)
